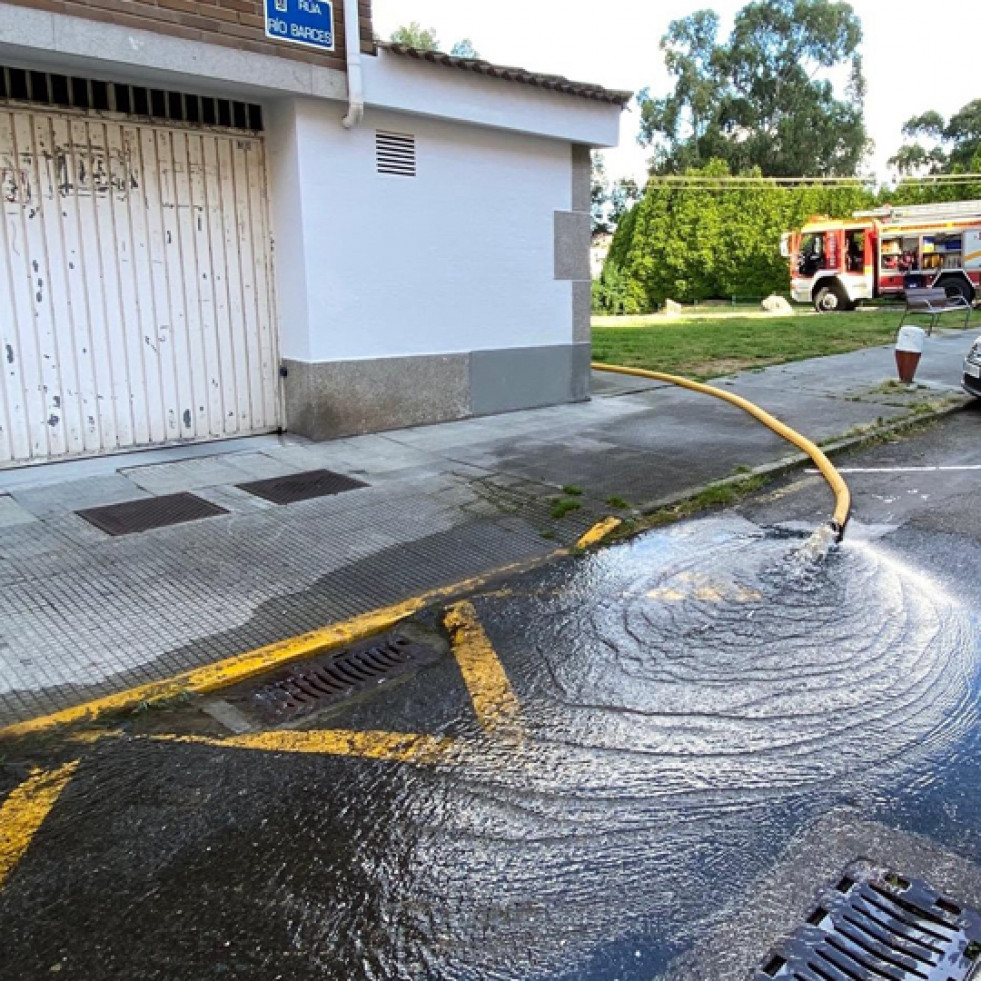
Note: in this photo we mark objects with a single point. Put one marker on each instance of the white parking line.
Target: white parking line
(972, 466)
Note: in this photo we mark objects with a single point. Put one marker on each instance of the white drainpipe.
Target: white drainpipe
(355, 80)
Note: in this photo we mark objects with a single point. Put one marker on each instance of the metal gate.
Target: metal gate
(136, 297)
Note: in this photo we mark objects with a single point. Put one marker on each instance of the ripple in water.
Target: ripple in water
(689, 699)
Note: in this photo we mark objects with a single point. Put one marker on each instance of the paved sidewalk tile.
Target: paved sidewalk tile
(12, 514)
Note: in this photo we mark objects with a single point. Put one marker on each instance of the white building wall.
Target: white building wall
(286, 202)
(456, 259)
(403, 84)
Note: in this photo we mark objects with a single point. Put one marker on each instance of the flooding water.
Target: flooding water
(690, 700)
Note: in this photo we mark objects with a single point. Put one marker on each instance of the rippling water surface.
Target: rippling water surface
(690, 700)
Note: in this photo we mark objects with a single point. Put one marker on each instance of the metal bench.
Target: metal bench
(933, 302)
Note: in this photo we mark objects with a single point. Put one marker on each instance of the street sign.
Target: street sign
(306, 22)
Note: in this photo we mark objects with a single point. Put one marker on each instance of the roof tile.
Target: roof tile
(555, 83)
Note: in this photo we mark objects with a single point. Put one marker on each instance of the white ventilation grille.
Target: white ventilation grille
(395, 153)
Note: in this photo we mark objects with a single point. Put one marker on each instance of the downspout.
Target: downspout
(355, 79)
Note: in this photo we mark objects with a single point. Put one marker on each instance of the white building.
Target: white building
(211, 233)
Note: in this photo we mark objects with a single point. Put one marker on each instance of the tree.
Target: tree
(464, 49)
(940, 147)
(414, 35)
(711, 237)
(764, 98)
(599, 195)
(609, 201)
(680, 125)
(624, 194)
(963, 135)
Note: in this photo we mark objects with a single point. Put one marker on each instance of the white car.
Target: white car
(971, 382)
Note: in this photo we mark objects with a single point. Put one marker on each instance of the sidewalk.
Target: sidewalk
(83, 614)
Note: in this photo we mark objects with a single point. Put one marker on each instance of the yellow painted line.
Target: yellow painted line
(24, 811)
(398, 747)
(495, 706)
(843, 498)
(241, 667)
(598, 532)
(493, 700)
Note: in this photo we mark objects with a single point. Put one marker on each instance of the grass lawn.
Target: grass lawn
(706, 346)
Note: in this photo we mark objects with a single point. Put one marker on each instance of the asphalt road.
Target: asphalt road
(634, 764)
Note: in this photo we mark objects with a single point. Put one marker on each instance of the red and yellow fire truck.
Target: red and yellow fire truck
(836, 264)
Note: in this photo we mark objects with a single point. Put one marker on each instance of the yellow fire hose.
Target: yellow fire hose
(843, 497)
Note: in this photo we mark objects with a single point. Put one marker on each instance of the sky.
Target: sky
(914, 60)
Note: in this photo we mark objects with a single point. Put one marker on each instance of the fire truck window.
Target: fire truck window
(811, 253)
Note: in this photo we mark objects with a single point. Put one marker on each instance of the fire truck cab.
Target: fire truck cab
(835, 264)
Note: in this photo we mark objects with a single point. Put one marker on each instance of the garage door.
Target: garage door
(135, 286)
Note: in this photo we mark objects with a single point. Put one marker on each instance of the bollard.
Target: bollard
(909, 347)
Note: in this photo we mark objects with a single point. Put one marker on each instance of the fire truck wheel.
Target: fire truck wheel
(831, 299)
(958, 287)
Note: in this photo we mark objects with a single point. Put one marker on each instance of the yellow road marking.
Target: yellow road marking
(399, 747)
(490, 691)
(24, 811)
(248, 665)
(494, 702)
(599, 531)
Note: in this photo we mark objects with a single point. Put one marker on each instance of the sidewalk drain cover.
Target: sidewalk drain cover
(316, 685)
(302, 486)
(150, 512)
(874, 925)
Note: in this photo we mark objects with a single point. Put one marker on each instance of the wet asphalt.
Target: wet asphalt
(707, 721)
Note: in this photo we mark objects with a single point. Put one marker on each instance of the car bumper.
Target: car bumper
(969, 382)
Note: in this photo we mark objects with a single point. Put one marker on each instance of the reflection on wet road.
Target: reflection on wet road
(683, 695)
(686, 702)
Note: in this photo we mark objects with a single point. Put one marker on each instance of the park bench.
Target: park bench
(933, 302)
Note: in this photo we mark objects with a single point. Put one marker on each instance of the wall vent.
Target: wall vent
(395, 153)
(70, 92)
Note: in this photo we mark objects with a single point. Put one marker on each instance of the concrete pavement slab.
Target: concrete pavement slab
(186, 475)
(11, 513)
(53, 499)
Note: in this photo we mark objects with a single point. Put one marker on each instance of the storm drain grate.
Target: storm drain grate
(302, 486)
(876, 925)
(316, 685)
(148, 513)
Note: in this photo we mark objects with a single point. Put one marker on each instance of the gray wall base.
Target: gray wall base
(345, 398)
(528, 378)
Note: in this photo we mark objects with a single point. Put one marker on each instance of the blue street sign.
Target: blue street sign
(309, 22)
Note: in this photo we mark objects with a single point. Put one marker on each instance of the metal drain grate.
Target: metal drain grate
(876, 925)
(148, 513)
(302, 486)
(316, 685)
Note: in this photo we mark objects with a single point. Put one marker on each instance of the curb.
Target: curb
(795, 461)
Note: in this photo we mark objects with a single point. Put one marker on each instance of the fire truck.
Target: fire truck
(835, 264)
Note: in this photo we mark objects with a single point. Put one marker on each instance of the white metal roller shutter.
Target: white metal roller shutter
(135, 288)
